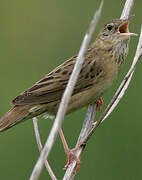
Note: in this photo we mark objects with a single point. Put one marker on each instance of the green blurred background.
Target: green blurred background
(35, 37)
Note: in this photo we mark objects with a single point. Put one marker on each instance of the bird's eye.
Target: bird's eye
(109, 27)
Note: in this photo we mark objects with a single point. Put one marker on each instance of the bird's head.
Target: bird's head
(115, 31)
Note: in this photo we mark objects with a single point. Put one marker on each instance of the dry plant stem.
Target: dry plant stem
(66, 97)
(127, 8)
(87, 125)
(38, 140)
(70, 172)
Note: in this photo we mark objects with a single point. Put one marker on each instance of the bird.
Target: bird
(103, 62)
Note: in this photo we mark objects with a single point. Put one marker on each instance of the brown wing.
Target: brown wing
(52, 86)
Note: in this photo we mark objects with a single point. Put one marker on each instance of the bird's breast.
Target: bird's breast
(100, 84)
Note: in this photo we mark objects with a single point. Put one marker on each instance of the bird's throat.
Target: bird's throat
(121, 51)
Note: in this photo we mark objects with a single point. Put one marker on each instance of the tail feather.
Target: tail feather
(14, 116)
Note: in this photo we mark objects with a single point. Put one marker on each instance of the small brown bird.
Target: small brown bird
(103, 61)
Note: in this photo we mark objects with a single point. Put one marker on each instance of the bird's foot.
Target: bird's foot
(72, 156)
(70, 152)
(99, 103)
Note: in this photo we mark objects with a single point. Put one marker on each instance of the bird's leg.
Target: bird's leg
(99, 103)
(69, 152)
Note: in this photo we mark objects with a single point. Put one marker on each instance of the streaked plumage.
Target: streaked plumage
(102, 64)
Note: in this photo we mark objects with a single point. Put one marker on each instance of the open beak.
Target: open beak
(123, 28)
